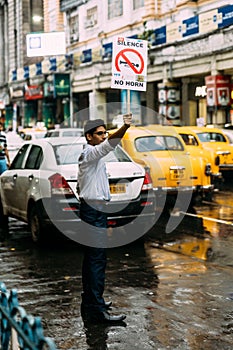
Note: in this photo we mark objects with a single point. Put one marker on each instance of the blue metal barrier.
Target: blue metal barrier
(17, 329)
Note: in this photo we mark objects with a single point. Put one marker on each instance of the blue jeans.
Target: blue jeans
(3, 165)
(94, 261)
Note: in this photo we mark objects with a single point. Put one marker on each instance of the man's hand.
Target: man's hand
(115, 138)
(127, 118)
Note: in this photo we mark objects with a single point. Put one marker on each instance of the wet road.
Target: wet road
(176, 289)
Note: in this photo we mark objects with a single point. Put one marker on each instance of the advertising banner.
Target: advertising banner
(169, 102)
(218, 88)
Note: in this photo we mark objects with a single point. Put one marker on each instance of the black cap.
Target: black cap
(91, 125)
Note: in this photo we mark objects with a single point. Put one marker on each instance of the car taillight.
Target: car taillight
(208, 170)
(59, 185)
(217, 161)
(147, 183)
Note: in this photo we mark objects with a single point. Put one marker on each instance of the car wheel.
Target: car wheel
(36, 226)
(209, 197)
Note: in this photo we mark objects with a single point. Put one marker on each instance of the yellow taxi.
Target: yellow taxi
(163, 152)
(214, 142)
(31, 134)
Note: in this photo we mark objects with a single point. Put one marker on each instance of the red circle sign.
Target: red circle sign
(127, 61)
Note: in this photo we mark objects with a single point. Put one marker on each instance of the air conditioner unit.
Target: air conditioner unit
(74, 37)
(89, 23)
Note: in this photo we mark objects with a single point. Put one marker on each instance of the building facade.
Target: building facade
(189, 71)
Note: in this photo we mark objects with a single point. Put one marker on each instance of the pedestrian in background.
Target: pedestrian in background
(4, 154)
(93, 190)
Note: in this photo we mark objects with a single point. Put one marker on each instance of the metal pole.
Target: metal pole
(71, 103)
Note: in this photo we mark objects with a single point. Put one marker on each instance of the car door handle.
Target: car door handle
(30, 177)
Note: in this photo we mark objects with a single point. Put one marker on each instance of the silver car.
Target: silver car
(40, 187)
(65, 132)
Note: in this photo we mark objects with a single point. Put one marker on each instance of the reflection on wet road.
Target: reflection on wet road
(176, 289)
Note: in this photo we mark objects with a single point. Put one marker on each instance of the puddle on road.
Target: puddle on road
(175, 289)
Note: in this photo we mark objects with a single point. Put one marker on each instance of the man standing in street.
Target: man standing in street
(93, 189)
(3, 151)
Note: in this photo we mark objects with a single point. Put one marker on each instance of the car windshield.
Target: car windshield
(189, 140)
(69, 154)
(117, 155)
(158, 143)
(211, 137)
(71, 133)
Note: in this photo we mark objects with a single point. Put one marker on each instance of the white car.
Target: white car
(40, 187)
(229, 134)
(14, 142)
(65, 132)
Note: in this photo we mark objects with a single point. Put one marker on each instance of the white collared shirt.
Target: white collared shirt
(92, 176)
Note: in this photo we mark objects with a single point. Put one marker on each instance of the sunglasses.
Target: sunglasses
(100, 133)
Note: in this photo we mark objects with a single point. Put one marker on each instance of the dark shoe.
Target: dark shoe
(108, 304)
(105, 317)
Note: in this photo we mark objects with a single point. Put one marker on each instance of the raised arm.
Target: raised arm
(115, 138)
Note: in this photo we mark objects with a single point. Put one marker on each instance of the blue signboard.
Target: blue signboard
(14, 75)
(107, 50)
(227, 16)
(26, 72)
(191, 26)
(38, 68)
(86, 56)
(53, 64)
(160, 36)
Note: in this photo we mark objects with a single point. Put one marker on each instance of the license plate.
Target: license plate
(117, 188)
(177, 174)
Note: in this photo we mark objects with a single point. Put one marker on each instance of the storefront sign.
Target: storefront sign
(200, 91)
(16, 92)
(61, 84)
(160, 36)
(33, 92)
(107, 51)
(208, 21)
(226, 16)
(174, 32)
(190, 26)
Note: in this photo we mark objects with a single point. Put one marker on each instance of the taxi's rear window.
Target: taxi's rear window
(211, 137)
(158, 143)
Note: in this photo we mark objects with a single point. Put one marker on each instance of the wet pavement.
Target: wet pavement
(176, 289)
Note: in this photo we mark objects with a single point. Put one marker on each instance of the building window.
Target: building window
(74, 28)
(92, 17)
(137, 4)
(168, 5)
(115, 8)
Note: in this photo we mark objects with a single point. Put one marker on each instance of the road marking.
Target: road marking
(208, 218)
